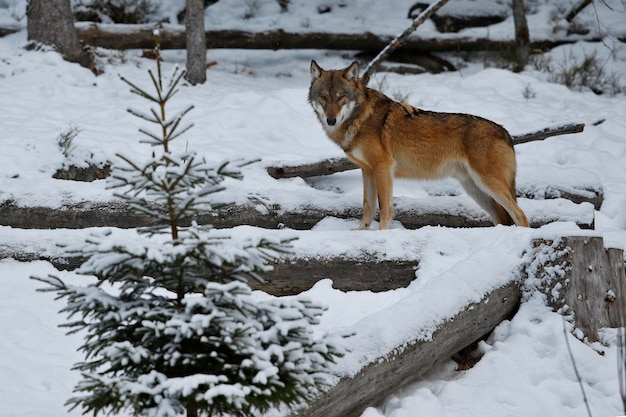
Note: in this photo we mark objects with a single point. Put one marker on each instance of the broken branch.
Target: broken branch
(398, 40)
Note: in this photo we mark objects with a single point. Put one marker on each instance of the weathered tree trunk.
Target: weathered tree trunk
(173, 37)
(587, 278)
(51, 22)
(196, 42)
(522, 37)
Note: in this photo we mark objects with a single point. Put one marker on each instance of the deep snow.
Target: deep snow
(253, 106)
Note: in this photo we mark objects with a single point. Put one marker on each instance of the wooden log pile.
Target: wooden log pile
(577, 272)
(593, 285)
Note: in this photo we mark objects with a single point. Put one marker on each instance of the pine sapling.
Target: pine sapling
(171, 326)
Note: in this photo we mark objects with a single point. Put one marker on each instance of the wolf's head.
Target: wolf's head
(334, 94)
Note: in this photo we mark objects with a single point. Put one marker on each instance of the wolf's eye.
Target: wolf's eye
(323, 97)
(340, 96)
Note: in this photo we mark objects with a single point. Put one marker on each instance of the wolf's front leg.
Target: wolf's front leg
(384, 186)
(369, 199)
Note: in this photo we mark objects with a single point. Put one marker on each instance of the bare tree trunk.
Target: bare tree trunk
(192, 409)
(196, 42)
(522, 37)
(51, 22)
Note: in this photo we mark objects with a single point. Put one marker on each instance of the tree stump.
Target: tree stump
(582, 278)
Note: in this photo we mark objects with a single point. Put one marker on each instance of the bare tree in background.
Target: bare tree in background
(522, 36)
(196, 42)
(51, 22)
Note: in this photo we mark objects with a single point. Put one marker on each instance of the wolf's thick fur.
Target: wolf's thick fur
(386, 139)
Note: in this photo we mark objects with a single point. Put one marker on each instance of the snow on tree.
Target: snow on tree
(171, 326)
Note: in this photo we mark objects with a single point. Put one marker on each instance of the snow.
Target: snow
(253, 107)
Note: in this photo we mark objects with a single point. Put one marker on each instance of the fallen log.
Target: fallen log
(333, 165)
(292, 275)
(577, 272)
(412, 213)
(405, 365)
(121, 36)
(8, 30)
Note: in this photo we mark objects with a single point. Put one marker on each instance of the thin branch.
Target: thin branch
(580, 381)
(577, 9)
(398, 40)
(139, 91)
(143, 116)
(549, 132)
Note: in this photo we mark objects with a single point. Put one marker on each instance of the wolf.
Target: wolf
(387, 139)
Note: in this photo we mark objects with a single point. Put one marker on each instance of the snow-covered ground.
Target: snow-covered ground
(253, 106)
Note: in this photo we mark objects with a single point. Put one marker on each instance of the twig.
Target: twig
(398, 40)
(621, 362)
(580, 381)
(621, 341)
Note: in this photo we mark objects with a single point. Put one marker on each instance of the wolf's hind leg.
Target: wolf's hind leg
(496, 197)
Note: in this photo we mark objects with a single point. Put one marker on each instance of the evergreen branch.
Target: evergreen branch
(157, 84)
(139, 91)
(157, 117)
(175, 80)
(171, 136)
(143, 116)
(55, 284)
(158, 140)
(172, 89)
(175, 122)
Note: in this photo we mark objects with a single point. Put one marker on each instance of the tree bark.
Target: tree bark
(51, 22)
(589, 281)
(121, 36)
(406, 364)
(196, 42)
(417, 213)
(522, 37)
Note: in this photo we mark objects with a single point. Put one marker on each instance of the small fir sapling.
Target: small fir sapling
(171, 326)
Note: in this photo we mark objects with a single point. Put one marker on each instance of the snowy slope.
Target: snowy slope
(253, 106)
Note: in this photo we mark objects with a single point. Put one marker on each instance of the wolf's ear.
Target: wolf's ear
(316, 71)
(352, 72)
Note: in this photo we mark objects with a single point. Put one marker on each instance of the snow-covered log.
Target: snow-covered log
(120, 36)
(449, 211)
(404, 365)
(577, 272)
